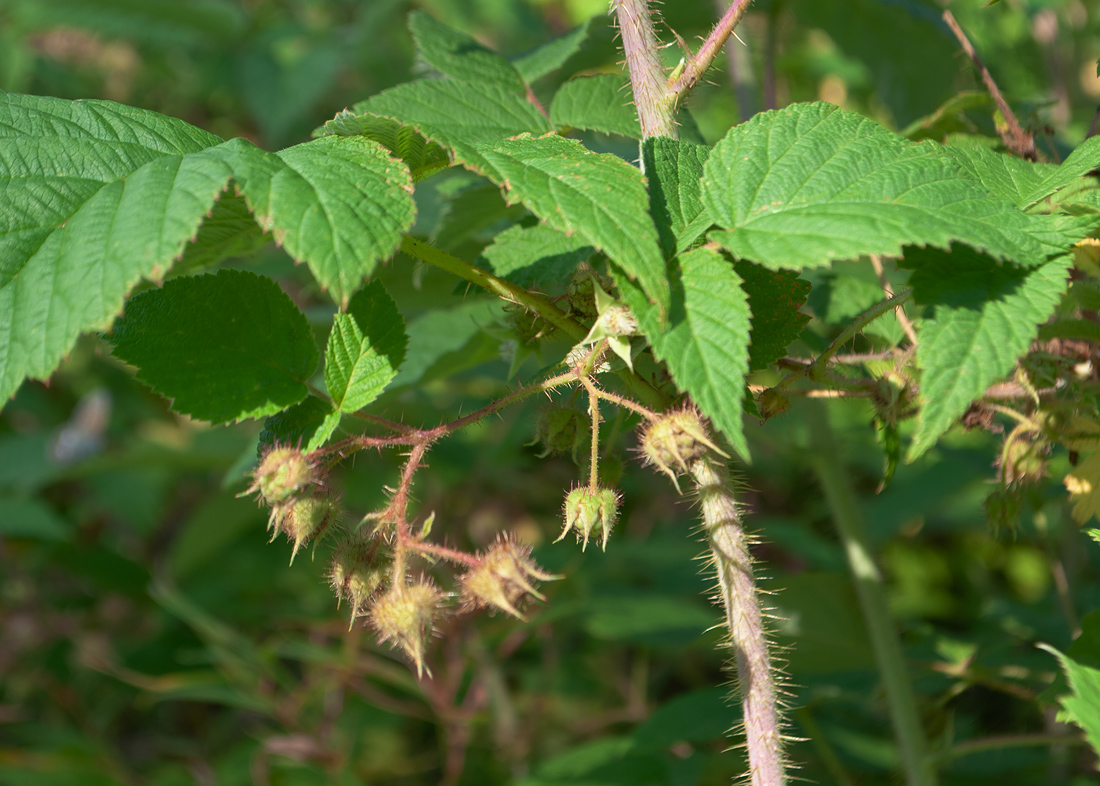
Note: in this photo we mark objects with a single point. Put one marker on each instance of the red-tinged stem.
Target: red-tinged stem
(698, 63)
(655, 105)
(755, 680)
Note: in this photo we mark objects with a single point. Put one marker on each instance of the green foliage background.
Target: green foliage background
(151, 636)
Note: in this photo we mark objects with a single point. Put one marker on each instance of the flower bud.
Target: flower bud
(675, 440)
(406, 615)
(359, 567)
(588, 510)
(283, 472)
(503, 578)
(304, 519)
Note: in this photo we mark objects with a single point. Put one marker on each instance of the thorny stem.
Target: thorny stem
(656, 96)
(1015, 138)
(816, 369)
(733, 563)
(919, 768)
(594, 456)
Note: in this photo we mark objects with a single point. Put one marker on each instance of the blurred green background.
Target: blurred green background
(149, 635)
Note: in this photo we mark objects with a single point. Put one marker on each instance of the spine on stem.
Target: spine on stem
(729, 547)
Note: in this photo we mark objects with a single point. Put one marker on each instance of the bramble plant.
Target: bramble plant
(660, 292)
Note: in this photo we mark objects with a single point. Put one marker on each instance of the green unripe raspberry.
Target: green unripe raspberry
(359, 568)
(591, 510)
(561, 430)
(283, 472)
(406, 615)
(503, 577)
(305, 519)
(674, 440)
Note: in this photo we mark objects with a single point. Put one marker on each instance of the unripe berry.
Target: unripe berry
(406, 615)
(772, 403)
(283, 472)
(359, 567)
(675, 440)
(588, 510)
(304, 519)
(503, 578)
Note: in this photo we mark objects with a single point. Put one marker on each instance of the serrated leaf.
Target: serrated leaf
(600, 197)
(459, 56)
(673, 169)
(228, 231)
(77, 232)
(1004, 176)
(812, 183)
(423, 158)
(442, 332)
(365, 349)
(537, 257)
(225, 347)
(597, 103)
(1084, 158)
(1082, 706)
(706, 340)
(471, 213)
(775, 298)
(549, 57)
(458, 115)
(308, 424)
(339, 203)
(980, 317)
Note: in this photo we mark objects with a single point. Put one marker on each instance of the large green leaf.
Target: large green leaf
(458, 55)
(775, 300)
(338, 203)
(549, 57)
(598, 103)
(600, 197)
(94, 196)
(458, 115)
(365, 349)
(812, 183)
(308, 424)
(224, 347)
(980, 316)
(538, 256)
(423, 158)
(1004, 176)
(673, 169)
(1080, 162)
(706, 340)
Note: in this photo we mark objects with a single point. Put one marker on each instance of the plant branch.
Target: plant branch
(1015, 138)
(816, 369)
(656, 106)
(755, 678)
(698, 63)
(919, 767)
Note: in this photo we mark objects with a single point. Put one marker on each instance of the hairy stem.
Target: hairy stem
(698, 63)
(919, 767)
(656, 106)
(730, 550)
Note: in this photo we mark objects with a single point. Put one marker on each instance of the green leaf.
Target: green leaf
(775, 298)
(228, 231)
(1004, 176)
(458, 115)
(31, 518)
(537, 257)
(1080, 162)
(598, 103)
(309, 424)
(980, 317)
(423, 158)
(1083, 705)
(94, 196)
(673, 169)
(812, 183)
(441, 332)
(457, 55)
(339, 203)
(706, 340)
(549, 57)
(365, 349)
(600, 197)
(225, 347)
